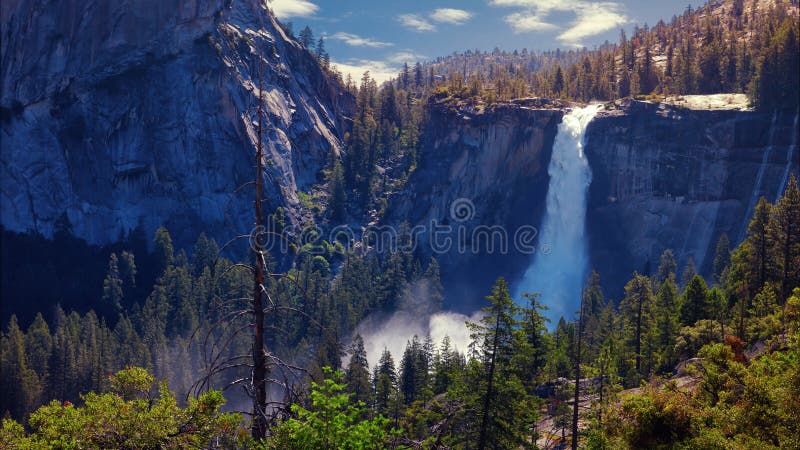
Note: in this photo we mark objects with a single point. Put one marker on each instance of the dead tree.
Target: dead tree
(578, 342)
(243, 315)
(259, 356)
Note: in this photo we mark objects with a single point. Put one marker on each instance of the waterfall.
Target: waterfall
(759, 177)
(789, 159)
(560, 263)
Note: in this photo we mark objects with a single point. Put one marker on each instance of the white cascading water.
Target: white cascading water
(789, 159)
(561, 260)
(759, 177)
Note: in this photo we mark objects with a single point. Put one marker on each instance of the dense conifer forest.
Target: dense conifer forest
(734, 340)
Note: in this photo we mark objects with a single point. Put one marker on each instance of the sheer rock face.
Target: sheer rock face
(673, 178)
(125, 114)
(488, 167)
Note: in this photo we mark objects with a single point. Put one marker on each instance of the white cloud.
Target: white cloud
(451, 16)
(380, 71)
(415, 22)
(358, 41)
(405, 56)
(523, 23)
(293, 8)
(592, 18)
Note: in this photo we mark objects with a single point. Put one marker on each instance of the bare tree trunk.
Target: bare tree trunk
(639, 335)
(488, 400)
(259, 430)
(577, 379)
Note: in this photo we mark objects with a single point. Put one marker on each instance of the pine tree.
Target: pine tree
(593, 305)
(384, 380)
(717, 308)
(760, 245)
(112, 285)
(204, 255)
(307, 37)
(163, 250)
(557, 85)
(776, 85)
(695, 301)
(709, 59)
(688, 272)
(322, 56)
(405, 77)
(495, 334)
(784, 233)
(433, 276)
(338, 193)
(532, 357)
(722, 258)
(418, 77)
(414, 372)
(357, 374)
(636, 310)
(127, 271)
(667, 322)
(446, 365)
(38, 345)
(667, 267)
(21, 386)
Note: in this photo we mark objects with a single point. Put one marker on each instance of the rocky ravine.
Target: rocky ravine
(122, 114)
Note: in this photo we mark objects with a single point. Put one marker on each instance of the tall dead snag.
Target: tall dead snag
(259, 430)
(577, 376)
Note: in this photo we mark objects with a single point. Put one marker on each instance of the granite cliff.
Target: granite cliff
(478, 167)
(668, 177)
(121, 114)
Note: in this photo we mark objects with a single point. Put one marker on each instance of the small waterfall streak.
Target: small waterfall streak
(757, 186)
(561, 261)
(789, 159)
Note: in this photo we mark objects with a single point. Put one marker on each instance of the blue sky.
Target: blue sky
(382, 35)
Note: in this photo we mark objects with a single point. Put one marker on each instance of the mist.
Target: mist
(419, 315)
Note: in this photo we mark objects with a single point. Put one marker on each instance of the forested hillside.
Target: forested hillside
(745, 46)
(739, 335)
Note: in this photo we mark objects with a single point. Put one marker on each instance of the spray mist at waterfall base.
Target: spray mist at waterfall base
(417, 314)
(559, 273)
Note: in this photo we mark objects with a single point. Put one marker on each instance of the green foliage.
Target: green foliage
(112, 285)
(332, 421)
(357, 374)
(775, 85)
(694, 305)
(637, 309)
(722, 258)
(164, 251)
(132, 415)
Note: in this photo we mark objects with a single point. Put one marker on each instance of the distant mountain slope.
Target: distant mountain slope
(121, 114)
(717, 48)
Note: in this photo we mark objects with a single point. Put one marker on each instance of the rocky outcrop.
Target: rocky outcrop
(477, 168)
(665, 177)
(122, 114)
